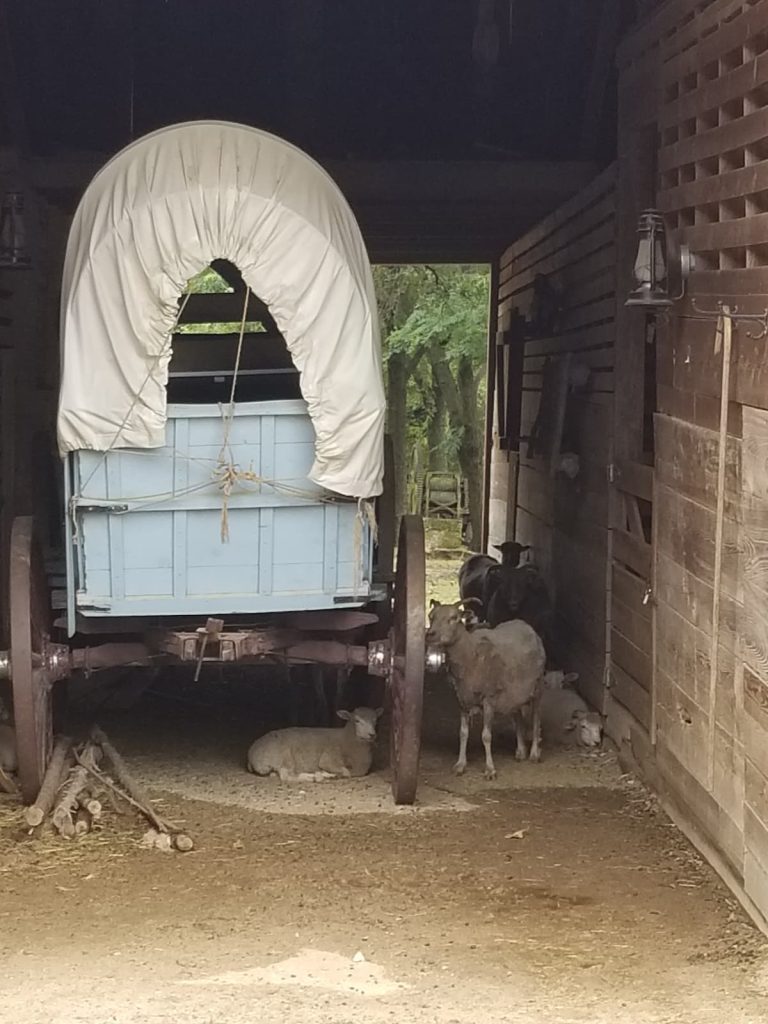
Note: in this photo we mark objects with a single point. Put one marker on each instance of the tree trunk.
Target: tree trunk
(460, 396)
(436, 430)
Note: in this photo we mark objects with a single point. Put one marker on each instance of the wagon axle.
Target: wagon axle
(57, 661)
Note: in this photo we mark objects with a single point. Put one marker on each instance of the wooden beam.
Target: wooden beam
(15, 116)
(490, 388)
(602, 66)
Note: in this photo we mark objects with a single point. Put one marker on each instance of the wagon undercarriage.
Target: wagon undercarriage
(35, 662)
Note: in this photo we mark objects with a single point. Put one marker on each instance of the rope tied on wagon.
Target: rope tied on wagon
(365, 516)
(227, 474)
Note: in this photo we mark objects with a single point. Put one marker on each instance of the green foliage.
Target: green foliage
(251, 327)
(450, 309)
(207, 281)
(427, 314)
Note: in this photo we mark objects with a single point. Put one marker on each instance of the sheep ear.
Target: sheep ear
(433, 603)
(570, 677)
(379, 712)
(345, 715)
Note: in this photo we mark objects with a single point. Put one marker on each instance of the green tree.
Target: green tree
(434, 323)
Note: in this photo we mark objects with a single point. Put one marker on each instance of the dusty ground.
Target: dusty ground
(557, 893)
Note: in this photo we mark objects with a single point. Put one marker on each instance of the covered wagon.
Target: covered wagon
(224, 496)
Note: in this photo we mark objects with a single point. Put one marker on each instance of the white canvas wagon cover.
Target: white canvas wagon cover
(156, 215)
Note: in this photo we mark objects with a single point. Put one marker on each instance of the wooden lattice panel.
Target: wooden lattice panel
(713, 143)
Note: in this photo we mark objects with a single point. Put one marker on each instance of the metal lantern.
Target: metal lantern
(650, 263)
(13, 235)
(658, 262)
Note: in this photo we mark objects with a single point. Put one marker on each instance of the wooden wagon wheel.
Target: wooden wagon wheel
(407, 674)
(31, 671)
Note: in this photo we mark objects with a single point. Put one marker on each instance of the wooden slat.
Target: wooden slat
(634, 627)
(730, 35)
(675, 26)
(570, 276)
(598, 336)
(565, 261)
(576, 290)
(733, 135)
(717, 188)
(632, 552)
(628, 692)
(629, 590)
(686, 532)
(728, 234)
(687, 458)
(597, 358)
(635, 478)
(732, 85)
(564, 215)
(691, 598)
(580, 227)
(747, 287)
(634, 661)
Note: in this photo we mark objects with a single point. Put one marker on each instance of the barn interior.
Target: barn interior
(528, 135)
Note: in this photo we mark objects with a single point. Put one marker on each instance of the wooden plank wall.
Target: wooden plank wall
(566, 520)
(696, 75)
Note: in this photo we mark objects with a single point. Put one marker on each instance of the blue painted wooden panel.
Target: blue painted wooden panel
(165, 554)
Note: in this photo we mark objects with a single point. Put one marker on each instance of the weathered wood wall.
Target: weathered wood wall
(693, 124)
(694, 78)
(565, 520)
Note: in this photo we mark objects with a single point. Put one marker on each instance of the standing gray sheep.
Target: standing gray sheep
(312, 755)
(496, 671)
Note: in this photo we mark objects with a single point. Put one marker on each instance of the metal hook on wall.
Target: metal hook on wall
(732, 312)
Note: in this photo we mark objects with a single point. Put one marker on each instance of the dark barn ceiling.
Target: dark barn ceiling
(366, 79)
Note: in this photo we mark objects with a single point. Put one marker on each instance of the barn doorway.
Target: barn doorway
(434, 323)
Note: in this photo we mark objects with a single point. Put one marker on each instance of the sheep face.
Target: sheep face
(557, 679)
(588, 726)
(445, 624)
(364, 720)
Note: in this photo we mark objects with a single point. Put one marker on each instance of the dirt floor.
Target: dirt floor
(557, 893)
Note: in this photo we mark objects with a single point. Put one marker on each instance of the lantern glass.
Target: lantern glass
(650, 263)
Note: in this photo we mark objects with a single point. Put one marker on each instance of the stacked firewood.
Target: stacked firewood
(80, 778)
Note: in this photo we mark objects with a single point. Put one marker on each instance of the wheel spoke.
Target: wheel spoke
(29, 621)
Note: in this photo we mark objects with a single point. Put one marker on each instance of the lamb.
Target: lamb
(312, 755)
(8, 757)
(520, 593)
(496, 671)
(565, 718)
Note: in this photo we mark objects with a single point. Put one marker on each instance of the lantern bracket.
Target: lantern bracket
(732, 312)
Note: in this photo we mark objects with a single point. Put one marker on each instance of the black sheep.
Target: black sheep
(477, 575)
(519, 593)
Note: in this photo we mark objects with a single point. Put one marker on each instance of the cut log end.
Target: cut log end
(34, 816)
(183, 843)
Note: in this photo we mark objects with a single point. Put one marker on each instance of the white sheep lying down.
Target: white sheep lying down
(312, 755)
(565, 717)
